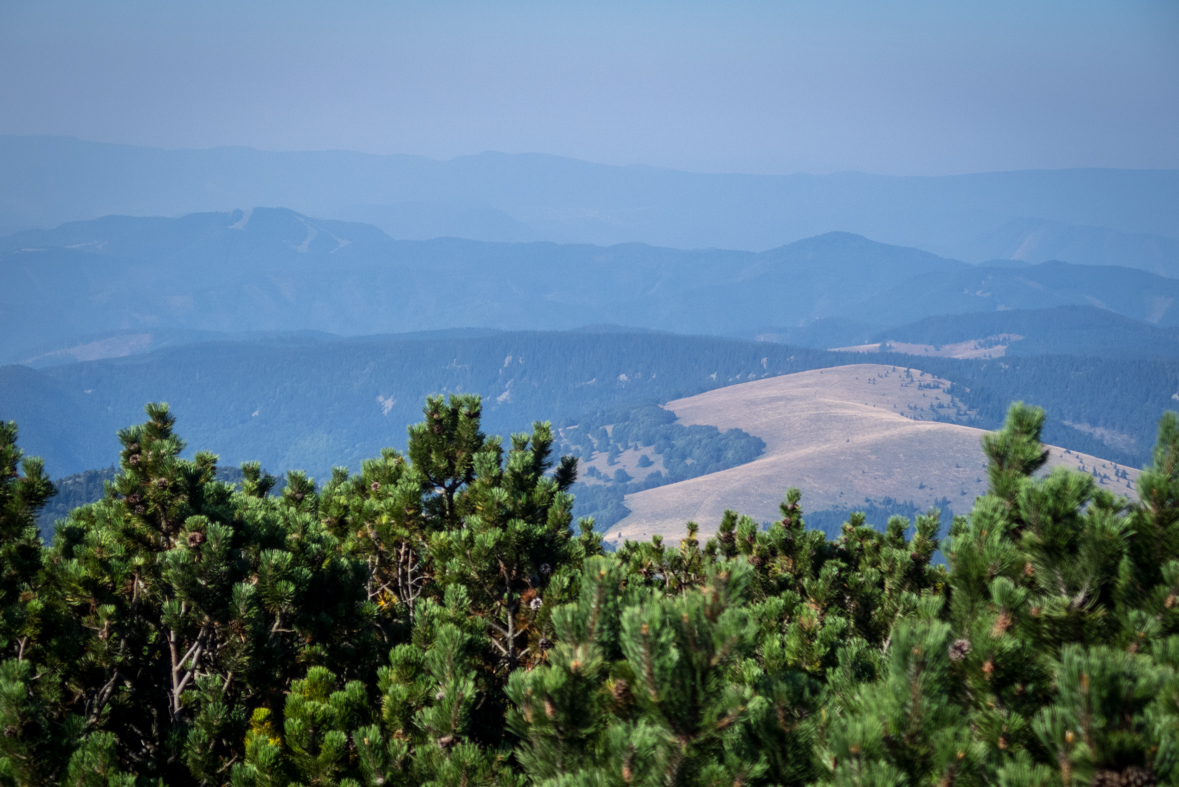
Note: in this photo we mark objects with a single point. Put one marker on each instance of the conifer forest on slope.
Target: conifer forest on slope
(436, 620)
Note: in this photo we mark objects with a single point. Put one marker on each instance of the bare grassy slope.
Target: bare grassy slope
(986, 347)
(840, 435)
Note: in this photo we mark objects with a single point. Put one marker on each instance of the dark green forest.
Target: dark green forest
(437, 619)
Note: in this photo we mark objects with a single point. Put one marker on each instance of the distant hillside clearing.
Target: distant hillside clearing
(841, 435)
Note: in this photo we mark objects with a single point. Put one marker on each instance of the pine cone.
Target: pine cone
(376, 486)
(162, 483)
(196, 538)
(726, 537)
(1106, 779)
(134, 460)
(959, 649)
(1138, 777)
(545, 643)
(140, 510)
(132, 500)
(535, 604)
(621, 691)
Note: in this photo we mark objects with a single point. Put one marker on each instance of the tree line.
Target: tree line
(435, 619)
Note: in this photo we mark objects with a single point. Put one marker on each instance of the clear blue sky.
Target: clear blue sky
(898, 87)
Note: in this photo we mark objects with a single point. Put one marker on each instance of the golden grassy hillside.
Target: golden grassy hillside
(840, 435)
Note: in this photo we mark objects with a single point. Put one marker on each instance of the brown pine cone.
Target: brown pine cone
(959, 649)
(1138, 777)
(1106, 779)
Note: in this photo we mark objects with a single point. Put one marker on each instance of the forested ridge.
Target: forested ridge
(435, 619)
(1064, 330)
(351, 397)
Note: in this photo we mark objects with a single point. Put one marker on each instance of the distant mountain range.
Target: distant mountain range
(118, 285)
(1128, 218)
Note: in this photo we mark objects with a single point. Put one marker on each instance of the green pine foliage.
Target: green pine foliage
(435, 619)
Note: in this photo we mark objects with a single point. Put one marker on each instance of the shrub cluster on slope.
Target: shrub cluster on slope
(434, 620)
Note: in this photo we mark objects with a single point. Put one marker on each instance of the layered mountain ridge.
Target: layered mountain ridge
(272, 269)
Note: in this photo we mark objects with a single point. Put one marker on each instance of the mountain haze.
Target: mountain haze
(45, 181)
(1036, 240)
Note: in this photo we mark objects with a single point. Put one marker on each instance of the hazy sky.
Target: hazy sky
(887, 87)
